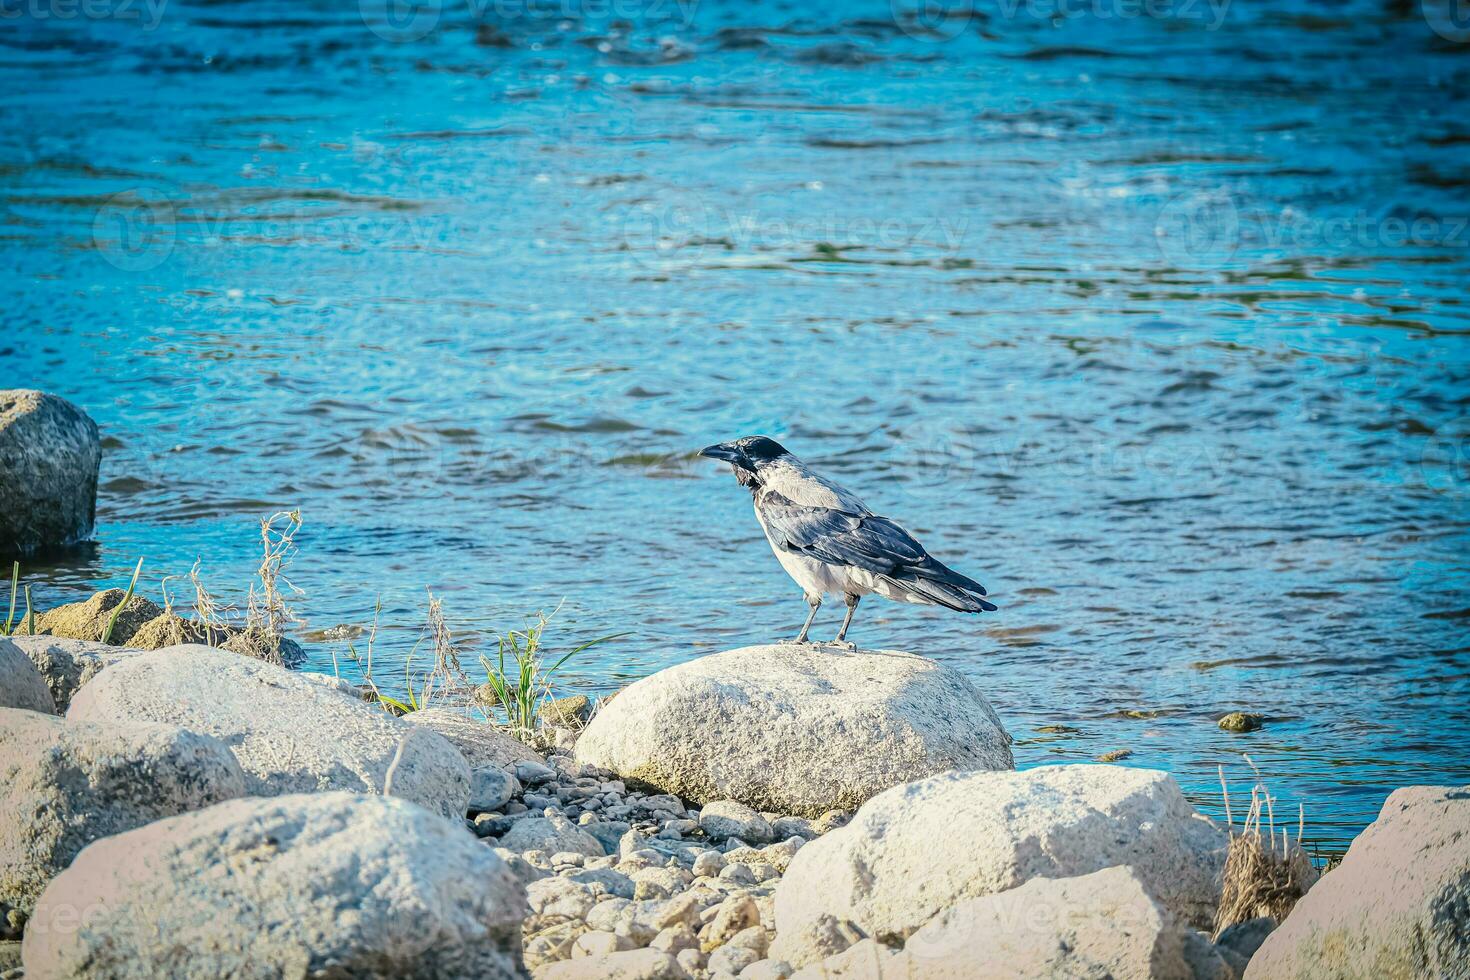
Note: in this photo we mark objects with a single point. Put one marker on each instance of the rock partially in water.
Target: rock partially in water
(1395, 907)
(279, 650)
(328, 885)
(64, 785)
(21, 684)
(169, 629)
(1241, 721)
(88, 619)
(290, 734)
(801, 729)
(917, 849)
(48, 485)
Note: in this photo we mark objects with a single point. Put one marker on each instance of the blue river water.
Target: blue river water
(1151, 317)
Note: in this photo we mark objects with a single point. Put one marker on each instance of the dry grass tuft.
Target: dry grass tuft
(1265, 872)
(266, 610)
(209, 614)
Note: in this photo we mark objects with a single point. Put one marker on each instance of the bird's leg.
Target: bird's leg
(852, 604)
(815, 601)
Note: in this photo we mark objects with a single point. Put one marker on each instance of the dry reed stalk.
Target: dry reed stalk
(268, 611)
(208, 612)
(1264, 875)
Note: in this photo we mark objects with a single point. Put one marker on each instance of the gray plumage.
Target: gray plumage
(829, 542)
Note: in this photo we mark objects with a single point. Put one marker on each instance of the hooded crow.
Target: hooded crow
(829, 542)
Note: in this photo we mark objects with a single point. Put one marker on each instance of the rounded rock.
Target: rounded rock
(917, 849)
(801, 729)
(327, 884)
(290, 734)
(63, 786)
(48, 485)
(21, 684)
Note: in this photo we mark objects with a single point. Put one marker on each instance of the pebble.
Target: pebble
(727, 818)
(534, 773)
(490, 789)
(767, 970)
(604, 882)
(733, 915)
(709, 864)
(740, 874)
(731, 959)
(675, 939)
(673, 885)
(599, 944)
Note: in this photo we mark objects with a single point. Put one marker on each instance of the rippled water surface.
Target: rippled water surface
(1155, 325)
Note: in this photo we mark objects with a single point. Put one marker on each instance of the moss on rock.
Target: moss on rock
(1241, 721)
(87, 620)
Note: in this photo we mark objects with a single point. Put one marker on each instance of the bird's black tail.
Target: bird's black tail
(936, 583)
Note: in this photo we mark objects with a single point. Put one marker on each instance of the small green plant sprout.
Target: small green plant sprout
(30, 617)
(519, 677)
(127, 597)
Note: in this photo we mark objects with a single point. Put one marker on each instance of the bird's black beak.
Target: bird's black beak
(723, 451)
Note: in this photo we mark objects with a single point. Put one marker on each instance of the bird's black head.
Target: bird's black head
(746, 456)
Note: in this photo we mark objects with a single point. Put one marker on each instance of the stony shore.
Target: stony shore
(762, 813)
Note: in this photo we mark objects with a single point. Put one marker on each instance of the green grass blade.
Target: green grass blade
(590, 643)
(30, 614)
(14, 581)
(127, 597)
(395, 703)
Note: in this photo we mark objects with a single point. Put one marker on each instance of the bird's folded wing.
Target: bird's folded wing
(838, 537)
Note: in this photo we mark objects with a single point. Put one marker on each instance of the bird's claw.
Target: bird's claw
(793, 642)
(845, 645)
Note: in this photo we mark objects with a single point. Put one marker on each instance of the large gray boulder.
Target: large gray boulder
(795, 729)
(63, 786)
(1105, 924)
(21, 684)
(66, 665)
(1397, 906)
(481, 743)
(291, 735)
(48, 485)
(918, 849)
(319, 885)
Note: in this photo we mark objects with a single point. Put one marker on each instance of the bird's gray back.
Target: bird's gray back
(791, 478)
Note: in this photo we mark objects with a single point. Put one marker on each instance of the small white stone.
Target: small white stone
(709, 864)
(739, 874)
